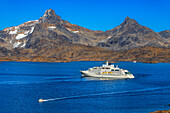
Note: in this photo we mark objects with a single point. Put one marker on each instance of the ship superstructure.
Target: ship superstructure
(107, 71)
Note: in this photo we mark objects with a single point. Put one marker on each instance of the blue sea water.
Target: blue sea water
(22, 84)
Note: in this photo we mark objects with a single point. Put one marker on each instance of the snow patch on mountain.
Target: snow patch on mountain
(75, 31)
(16, 44)
(109, 37)
(29, 32)
(52, 27)
(20, 36)
(32, 29)
(13, 32)
(72, 31)
(24, 44)
(26, 32)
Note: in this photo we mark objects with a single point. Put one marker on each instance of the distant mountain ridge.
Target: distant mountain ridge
(127, 35)
(130, 34)
(41, 38)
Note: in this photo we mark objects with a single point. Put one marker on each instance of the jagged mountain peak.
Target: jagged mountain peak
(127, 24)
(131, 34)
(49, 12)
(129, 21)
(127, 18)
(50, 17)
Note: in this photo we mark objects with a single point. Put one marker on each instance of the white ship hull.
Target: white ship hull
(116, 76)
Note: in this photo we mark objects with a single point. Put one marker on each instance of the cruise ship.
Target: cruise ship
(107, 71)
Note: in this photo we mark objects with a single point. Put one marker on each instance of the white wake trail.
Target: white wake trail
(109, 93)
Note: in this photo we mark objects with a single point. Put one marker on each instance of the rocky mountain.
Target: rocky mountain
(51, 28)
(130, 34)
(53, 39)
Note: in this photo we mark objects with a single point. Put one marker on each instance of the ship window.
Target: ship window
(112, 70)
(116, 70)
(127, 73)
(107, 68)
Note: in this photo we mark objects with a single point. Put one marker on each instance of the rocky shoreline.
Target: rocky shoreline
(49, 60)
(163, 111)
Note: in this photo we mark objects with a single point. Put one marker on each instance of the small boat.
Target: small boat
(41, 100)
(134, 61)
(107, 71)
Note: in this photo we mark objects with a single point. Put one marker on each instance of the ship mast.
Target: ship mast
(107, 63)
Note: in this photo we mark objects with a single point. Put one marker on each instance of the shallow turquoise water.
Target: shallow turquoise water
(23, 83)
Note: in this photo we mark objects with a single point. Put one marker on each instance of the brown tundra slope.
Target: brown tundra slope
(78, 52)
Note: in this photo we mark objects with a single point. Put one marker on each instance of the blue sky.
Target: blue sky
(92, 14)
